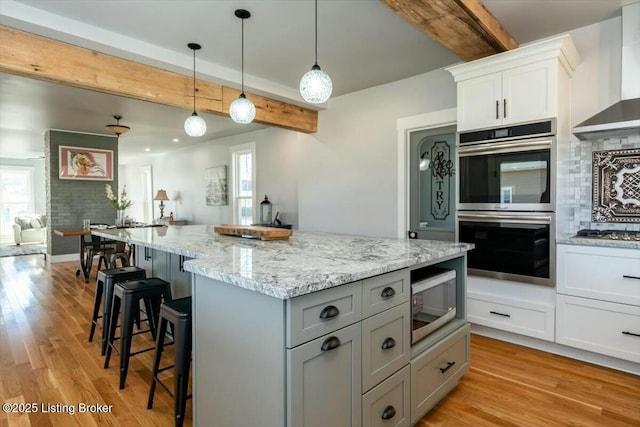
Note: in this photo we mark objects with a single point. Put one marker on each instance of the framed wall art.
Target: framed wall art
(85, 163)
(216, 181)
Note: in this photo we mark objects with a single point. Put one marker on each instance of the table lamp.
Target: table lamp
(162, 196)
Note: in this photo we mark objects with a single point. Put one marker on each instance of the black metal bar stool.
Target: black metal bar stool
(178, 313)
(104, 288)
(128, 295)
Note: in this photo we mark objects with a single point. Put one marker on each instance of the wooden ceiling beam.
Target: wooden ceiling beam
(465, 27)
(28, 55)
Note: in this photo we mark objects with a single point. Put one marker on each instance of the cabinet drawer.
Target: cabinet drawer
(437, 370)
(599, 326)
(387, 405)
(386, 344)
(313, 315)
(534, 320)
(385, 291)
(599, 273)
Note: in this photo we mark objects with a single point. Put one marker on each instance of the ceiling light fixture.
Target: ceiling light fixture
(242, 109)
(194, 125)
(117, 129)
(316, 85)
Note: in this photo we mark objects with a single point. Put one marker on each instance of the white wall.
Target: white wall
(344, 178)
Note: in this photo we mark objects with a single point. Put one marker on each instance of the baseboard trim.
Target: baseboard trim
(64, 258)
(555, 348)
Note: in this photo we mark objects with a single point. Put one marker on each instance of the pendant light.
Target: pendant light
(194, 125)
(242, 109)
(117, 129)
(316, 85)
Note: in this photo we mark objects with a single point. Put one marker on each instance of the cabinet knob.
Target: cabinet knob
(388, 343)
(387, 292)
(329, 312)
(330, 343)
(388, 413)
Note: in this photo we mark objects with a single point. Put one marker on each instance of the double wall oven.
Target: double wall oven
(506, 201)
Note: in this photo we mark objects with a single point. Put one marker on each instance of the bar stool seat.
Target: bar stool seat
(128, 295)
(105, 282)
(178, 313)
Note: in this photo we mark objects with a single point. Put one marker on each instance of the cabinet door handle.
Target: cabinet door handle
(626, 276)
(449, 365)
(630, 333)
(497, 109)
(181, 262)
(147, 253)
(329, 312)
(388, 413)
(387, 292)
(330, 343)
(504, 108)
(388, 343)
(500, 314)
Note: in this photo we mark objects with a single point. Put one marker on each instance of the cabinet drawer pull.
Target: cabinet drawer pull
(388, 343)
(388, 413)
(449, 365)
(500, 314)
(626, 276)
(504, 108)
(387, 292)
(630, 333)
(329, 312)
(330, 343)
(497, 109)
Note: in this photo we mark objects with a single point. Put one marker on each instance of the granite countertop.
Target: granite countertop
(307, 262)
(595, 241)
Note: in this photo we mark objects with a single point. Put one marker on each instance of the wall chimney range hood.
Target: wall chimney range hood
(622, 118)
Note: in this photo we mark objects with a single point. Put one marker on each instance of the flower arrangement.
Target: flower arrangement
(124, 201)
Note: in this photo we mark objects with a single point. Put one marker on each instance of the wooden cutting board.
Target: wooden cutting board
(254, 231)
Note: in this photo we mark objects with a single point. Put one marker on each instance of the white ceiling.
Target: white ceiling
(362, 43)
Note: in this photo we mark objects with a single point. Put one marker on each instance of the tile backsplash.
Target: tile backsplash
(580, 181)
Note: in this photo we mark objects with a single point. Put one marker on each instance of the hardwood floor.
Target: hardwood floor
(45, 359)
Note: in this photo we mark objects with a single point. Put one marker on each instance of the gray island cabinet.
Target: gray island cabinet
(312, 331)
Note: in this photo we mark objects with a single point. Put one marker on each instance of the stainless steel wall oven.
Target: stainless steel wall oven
(506, 201)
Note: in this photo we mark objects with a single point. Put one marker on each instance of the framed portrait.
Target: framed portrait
(85, 163)
(216, 181)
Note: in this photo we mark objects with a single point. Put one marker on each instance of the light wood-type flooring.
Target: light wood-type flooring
(46, 360)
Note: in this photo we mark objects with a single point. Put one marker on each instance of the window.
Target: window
(16, 195)
(243, 173)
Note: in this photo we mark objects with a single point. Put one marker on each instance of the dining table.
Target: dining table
(78, 232)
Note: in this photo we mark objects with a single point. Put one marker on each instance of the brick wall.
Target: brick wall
(70, 201)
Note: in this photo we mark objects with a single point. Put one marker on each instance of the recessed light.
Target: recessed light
(176, 140)
(147, 149)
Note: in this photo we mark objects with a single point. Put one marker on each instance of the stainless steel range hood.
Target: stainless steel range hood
(623, 118)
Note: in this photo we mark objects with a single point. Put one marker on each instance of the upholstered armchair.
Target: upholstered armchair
(30, 229)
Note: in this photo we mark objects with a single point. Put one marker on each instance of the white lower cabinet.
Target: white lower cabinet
(520, 317)
(436, 371)
(599, 326)
(388, 404)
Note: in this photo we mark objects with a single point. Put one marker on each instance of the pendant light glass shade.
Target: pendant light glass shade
(194, 125)
(316, 85)
(242, 109)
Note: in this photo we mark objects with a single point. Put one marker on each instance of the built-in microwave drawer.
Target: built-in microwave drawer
(388, 405)
(313, 315)
(382, 292)
(386, 344)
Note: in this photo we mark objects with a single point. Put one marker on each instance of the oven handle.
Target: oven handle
(504, 147)
(537, 219)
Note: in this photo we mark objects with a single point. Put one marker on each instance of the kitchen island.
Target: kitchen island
(288, 332)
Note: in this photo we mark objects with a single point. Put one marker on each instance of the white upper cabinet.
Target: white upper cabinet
(526, 84)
